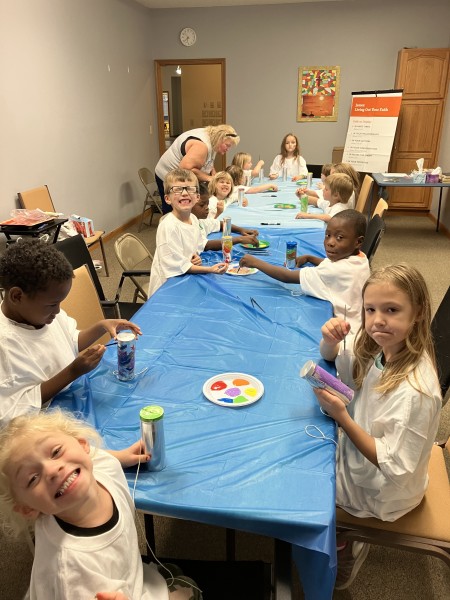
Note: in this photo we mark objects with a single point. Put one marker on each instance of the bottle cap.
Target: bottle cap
(308, 368)
(291, 244)
(151, 413)
(125, 336)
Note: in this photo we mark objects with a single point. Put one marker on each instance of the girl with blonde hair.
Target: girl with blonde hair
(244, 160)
(78, 499)
(388, 430)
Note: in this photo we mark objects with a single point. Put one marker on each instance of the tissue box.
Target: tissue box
(418, 177)
(83, 225)
(432, 178)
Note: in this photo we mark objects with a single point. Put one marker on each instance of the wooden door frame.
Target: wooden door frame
(159, 63)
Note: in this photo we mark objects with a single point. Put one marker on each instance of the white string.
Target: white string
(172, 578)
(322, 436)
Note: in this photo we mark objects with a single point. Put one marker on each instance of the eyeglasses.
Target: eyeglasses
(177, 190)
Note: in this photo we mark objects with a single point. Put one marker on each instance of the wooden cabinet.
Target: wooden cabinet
(423, 74)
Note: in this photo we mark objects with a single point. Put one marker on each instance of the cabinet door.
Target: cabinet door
(422, 73)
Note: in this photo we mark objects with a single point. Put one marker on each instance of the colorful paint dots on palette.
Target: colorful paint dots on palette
(233, 389)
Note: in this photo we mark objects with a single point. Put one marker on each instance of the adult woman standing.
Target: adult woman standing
(195, 150)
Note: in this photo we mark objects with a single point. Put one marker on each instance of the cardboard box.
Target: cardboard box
(83, 225)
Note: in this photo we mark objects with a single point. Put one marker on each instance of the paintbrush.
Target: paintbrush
(114, 343)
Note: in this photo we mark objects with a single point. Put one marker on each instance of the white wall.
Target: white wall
(68, 121)
(65, 120)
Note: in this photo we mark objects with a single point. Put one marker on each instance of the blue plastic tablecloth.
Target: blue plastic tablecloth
(252, 468)
(261, 208)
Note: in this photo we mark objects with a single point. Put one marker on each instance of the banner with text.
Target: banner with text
(371, 130)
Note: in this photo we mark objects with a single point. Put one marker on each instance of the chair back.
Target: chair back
(381, 207)
(440, 329)
(37, 198)
(75, 250)
(82, 303)
(131, 253)
(374, 233)
(147, 177)
(364, 193)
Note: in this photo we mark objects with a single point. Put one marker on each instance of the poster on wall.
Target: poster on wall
(318, 93)
(371, 130)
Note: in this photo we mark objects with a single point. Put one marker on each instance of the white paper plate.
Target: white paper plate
(243, 271)
(233, 390)
(388, 175)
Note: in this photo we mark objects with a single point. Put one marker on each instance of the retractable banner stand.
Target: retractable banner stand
(371, 129)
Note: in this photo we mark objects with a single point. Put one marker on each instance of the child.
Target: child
(336, 194)
(244, 160)
(388, 430)
(79, 501)
(317, 193)
(207, 226)
(220, 188)
(40, 344)
(290, 158)
(347, 169)
(339, 277)
(178, 238)
(238, 177)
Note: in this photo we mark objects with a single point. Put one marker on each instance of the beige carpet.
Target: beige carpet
(386, 574)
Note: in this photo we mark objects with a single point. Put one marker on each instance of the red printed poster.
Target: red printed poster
(371, 130)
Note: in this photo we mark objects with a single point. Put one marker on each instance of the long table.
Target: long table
(407, 182)
(252, 468)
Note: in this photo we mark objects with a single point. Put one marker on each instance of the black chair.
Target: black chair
(440, 328)
(75, 250)
(375, 230)
(316, 170)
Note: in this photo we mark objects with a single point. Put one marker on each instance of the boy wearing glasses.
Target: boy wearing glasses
(178, 239)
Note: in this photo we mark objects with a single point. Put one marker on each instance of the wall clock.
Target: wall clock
(188, 37)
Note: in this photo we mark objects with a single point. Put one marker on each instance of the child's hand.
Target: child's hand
(320, 185)
(196, 259)
(330, 403)
(301, 215)
(273, 176)
(113, 326)
(249, 239)
(301, 260)
(244, 202)
(220, 207)
(248, 261)
(334, 330)
(273, 188)
(249, 232)
(300, 191)
(219, 268)
(86, 362)
(132, 455)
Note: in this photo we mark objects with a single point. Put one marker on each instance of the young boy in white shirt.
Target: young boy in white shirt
(178, 239)
(340, 277)
(337, 191)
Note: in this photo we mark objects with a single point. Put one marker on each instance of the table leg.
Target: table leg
(439, 209)
(282, 571)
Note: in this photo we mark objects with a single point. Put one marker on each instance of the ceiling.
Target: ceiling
(207, 3)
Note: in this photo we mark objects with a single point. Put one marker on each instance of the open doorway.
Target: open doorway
(189, 94)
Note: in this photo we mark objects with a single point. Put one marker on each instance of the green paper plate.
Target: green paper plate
(262, 245)
(302, 182)
(285, 206)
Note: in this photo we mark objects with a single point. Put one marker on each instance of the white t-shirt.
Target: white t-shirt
(69, 567)
(208, 226)
(296, 167)
(176, 242)
(404, 423)
(213, 200)
(340, 283)
(29, 357)
(331, 210)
